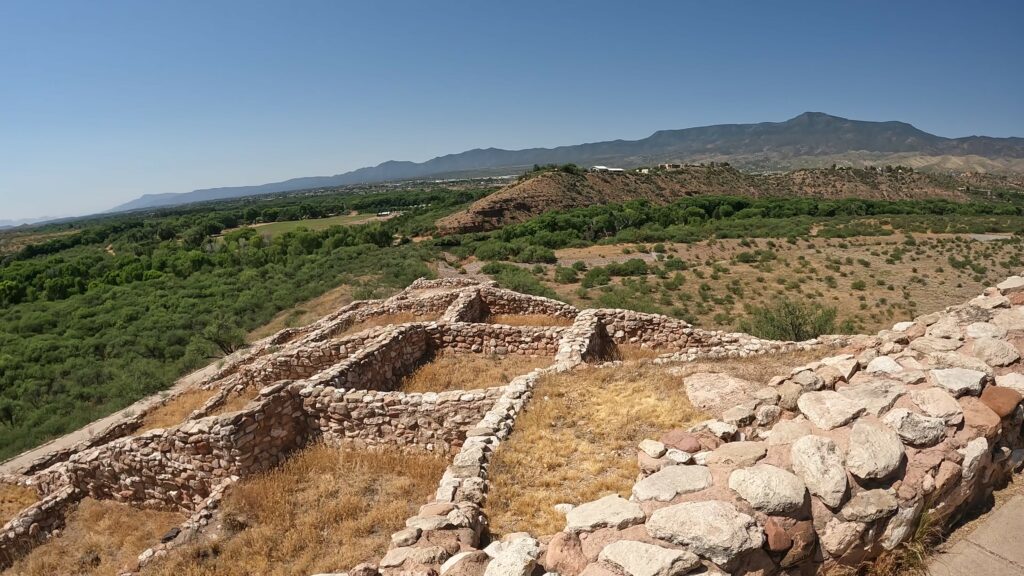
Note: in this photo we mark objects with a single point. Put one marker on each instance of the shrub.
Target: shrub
(787, 319)
(515, 278)
(565, 275)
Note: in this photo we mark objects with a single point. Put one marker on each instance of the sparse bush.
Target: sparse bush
(787, 319)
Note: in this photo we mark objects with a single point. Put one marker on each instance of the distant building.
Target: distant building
(670, 166)
(605, 169)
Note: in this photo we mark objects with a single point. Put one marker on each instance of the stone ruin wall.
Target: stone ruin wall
(351, 401)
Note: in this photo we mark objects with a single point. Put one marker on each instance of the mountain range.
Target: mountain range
(812, 139)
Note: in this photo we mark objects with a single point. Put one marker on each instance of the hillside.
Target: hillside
(560, 190)
(811, 139)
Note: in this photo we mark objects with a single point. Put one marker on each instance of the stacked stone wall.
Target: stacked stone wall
(369, 419)
(500, 301)
(495, 339)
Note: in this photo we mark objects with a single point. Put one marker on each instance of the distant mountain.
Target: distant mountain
(22, 221)
(808, 140)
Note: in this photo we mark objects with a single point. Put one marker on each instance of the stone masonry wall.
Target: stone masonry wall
(495, 339)
(365, 419)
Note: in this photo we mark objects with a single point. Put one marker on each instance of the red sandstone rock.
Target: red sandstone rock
(681, 440)
(775, 533)
(1003, 401)
(565, 555)
(979, 417)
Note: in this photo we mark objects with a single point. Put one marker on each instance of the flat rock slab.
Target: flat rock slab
(713, 529)
(995, 352)
(959, 381)
(992, 548)
(938, 403)
(769, 489)
(642, 559)
(828, 409)
(716, 393)
(672, 481)
(817, 461)
(612, 511)
(738, 453)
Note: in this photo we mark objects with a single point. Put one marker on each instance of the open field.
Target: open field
(276, 228)
(324, 510)
(470, 371)
(871, 281)
(101, 537)
(576, 441)
(13, 240)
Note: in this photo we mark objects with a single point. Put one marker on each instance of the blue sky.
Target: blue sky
(103, 101)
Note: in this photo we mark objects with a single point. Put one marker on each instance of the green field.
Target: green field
(276, 228)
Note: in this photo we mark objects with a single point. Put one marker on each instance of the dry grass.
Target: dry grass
(237, 400)
(175, 410)
(470, 371)
(577, 440)
(324, 510)
(399, 318)
(631, 352)
(758, 369)
(100, 538)
(304, 313)
(14, 499)
(529, 320)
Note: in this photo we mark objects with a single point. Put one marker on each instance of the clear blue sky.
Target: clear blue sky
(103, 101)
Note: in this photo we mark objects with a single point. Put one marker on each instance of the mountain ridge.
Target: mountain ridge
(763, 145)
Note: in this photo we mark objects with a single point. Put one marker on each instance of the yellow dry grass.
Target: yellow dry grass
(631, 352)
(175, 410)
(324, 510)
(237, 400)
(471, 371)
(530, 320)
(14, 499)
(399, 318)
(576, 442)
(100, 538)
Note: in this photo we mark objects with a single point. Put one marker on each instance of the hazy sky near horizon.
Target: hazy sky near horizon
(103, 101)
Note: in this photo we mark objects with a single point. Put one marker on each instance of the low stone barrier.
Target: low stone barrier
(495, 338)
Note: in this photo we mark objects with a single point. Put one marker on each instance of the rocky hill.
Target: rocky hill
(561, 190)
(812, 139)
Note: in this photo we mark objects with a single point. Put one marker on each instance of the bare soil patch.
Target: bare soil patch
(452, 371)
(529, 320)
(576, 442)
(101, 537)
(324, 510)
